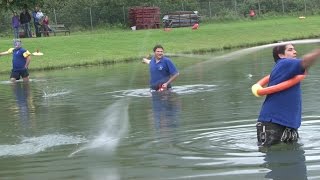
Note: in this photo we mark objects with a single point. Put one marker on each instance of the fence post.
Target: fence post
(124, 15)
(91, 19)
(210, 13)
(55, 16)
(259, 7)
(305, 7)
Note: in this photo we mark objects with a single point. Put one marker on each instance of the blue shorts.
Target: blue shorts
(19, 73)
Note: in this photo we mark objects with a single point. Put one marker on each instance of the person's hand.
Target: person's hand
(145, 60)
(165, 86)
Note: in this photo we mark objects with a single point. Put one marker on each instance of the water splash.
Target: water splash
(184, 89)
(21, 80)
(115, 126)
(195, 88)
(242, 52)
(55, 94)
(33, 145)
(254, 49)
(246, 51)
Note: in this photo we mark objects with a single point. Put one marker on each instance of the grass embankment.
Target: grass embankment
(110, 46)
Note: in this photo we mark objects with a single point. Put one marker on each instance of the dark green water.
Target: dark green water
(103, 123)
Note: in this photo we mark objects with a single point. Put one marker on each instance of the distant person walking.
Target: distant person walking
(15, 22)
(162, 70)
(25, 19)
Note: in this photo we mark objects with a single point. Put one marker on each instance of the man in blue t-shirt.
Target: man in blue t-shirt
(162, 70)
(280, 115)
(20, 61)
(37, 21)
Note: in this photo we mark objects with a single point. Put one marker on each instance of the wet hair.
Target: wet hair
(278, 50)
(156, 47)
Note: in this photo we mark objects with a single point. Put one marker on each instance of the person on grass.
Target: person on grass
(15, 22)
(25, 19)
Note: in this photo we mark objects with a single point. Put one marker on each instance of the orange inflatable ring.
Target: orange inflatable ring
(259, 90)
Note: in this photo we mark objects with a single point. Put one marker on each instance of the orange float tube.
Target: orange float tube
(259, 90)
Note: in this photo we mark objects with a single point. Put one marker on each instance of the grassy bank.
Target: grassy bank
(110, 46)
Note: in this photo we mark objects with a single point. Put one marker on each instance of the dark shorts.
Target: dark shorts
(270, 133)
(19, 73)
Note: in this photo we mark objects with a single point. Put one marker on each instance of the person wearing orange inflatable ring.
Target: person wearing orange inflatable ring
(280, 115)
(162, 70)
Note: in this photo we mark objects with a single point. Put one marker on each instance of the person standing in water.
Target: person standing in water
(280, 115)
(20, 61)
(162, 70)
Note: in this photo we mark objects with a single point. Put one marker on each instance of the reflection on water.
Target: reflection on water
(25, 105)
(28, 143)
(165, 109)
(286, 161)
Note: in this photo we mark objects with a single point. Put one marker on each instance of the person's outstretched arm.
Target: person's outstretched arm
(310, 58)
(6, 52)
(146, 61)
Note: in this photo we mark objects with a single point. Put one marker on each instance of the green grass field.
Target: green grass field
(110, 46)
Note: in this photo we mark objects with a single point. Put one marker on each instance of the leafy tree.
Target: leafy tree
(84, 13)
(10, 5)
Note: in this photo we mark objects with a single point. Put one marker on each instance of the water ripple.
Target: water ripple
(184, 89)
(226, 147)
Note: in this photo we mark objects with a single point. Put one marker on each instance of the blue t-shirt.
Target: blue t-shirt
(160, 72)
(35, 19)
(18, 60)
(284, 107)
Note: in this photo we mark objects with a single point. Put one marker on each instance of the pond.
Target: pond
(103, 123)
